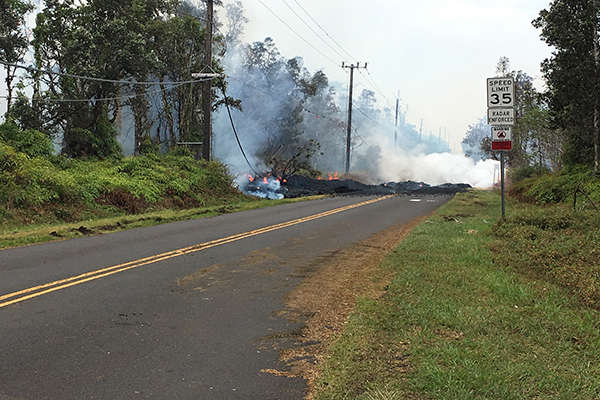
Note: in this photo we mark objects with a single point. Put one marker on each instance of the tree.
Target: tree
(572, 75)
(474, 144)
(236, 21)
(110, 39)
(13, 40)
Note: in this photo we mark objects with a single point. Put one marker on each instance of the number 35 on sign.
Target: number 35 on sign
(501, 92)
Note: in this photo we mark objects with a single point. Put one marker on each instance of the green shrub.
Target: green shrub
(99, 141)
(553, 243)
(555, 188)
(132, 184)
(84, 144)
(31, 142)
(518, 174)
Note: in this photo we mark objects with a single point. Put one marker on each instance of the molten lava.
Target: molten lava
(330, 177)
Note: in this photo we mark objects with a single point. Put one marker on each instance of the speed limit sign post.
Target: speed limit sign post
(501, 116)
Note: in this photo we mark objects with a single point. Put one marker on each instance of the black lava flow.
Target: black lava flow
(301, 186)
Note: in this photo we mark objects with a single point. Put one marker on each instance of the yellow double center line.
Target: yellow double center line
(40, 290)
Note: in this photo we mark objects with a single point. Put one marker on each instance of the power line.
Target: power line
(90, 78)
(297, 34)
(373, 84)
(235, 132)
(299, 99)
(323, 29)
(377, 87)
(124, 97)
(312, 30)
(367, 116)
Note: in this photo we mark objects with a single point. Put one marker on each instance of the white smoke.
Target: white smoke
(264, 100)
(395, 164)
(437, 168)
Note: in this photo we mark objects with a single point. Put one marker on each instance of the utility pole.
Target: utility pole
(207, 86)
(396, 124)
(352, 67)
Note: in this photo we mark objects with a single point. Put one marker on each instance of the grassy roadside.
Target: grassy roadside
(29, 234)
(459, 323)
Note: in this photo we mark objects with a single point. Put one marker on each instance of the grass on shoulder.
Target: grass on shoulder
(454, 324)
(29, 234)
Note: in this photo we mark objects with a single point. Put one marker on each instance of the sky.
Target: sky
(436, 54)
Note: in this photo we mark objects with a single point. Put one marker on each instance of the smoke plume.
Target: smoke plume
(277, 112)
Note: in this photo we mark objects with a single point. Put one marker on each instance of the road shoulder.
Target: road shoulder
(324, 301)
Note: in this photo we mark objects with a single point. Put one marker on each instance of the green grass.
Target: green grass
(457, 322)
(555, 244)
(13, 236)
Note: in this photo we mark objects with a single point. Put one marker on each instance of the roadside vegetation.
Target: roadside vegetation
(40, 190)
(479, 309)
(37, 185)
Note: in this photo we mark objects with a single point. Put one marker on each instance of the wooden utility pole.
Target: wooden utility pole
(207, 86)
(352, 67)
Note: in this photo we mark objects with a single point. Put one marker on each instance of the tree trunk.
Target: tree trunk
(9, 88)
(168, 109)
(139, 106)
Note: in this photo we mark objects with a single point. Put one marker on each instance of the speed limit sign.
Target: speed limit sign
(501, 92)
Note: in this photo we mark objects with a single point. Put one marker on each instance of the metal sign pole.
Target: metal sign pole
(502, 183)
(501, 116)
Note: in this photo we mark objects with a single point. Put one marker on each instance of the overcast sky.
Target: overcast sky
(436, 53)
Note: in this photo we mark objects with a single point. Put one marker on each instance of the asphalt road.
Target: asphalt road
(190, 323)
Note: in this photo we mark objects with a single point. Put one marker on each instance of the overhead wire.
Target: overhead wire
(323, 29)
(367, 116)
(372, 83)
(304, 108)
(237, 137)
(124, 97)
(311, 29)
(378, 88)
(90, 78)
(297, 34)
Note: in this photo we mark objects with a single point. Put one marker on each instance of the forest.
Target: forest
(104, 78)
